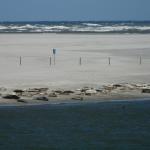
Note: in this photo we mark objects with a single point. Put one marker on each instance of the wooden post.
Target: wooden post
(109, 62)
(20, 61)
(140, 60)
(50, 61)
(80, 61)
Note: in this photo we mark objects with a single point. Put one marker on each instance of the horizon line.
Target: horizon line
(76, 21)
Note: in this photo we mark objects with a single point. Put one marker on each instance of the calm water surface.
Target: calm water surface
(109, 126)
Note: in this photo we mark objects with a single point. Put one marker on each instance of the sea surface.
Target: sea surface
(76, 27)
(99, 126)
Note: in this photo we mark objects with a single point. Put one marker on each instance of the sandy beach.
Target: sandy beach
(74, 75)
(105, 59)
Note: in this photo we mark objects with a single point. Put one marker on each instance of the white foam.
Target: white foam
(92, 24)
(3, 27)
(73, 28)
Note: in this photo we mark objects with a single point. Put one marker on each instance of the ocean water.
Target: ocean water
(76, 27)
(108, 126)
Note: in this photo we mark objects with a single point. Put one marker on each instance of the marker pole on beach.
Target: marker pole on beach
(20, 61)
(54, 53)
(50, 61)
(140, 60)
(80, 61)
(109, 62)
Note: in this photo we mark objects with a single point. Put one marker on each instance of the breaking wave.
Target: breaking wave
(75, 27)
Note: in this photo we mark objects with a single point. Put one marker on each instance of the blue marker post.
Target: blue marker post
(54, 53)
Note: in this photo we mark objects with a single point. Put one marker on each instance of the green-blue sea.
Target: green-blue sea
(92, 126)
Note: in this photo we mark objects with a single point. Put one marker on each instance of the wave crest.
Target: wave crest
(75, 27)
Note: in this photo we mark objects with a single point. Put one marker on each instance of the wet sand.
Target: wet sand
(64, 100)
(42, 96)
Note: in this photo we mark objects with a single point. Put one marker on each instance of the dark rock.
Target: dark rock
(117, 85)
(58, 91)
(21, 101)
(18, 91)
(99, 90)
(88, 94)
(145, 90)
(67, 92)
(42, 98)
(9, 96)
(78, 98)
